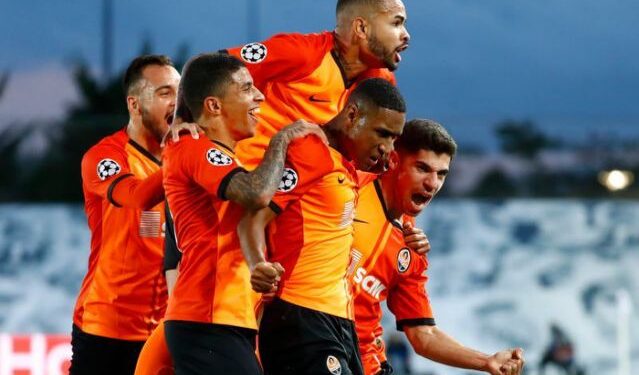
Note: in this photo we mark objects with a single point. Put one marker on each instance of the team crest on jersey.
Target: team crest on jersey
(108, 168)
(254, 53)
(288, 181)
(333, 365)
(403, 260)
(218, 158)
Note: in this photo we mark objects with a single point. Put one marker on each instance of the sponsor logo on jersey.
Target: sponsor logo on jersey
(369, 283)
(288, 181)
(254, 53)
(348, 214)
(333, 365)
(403, 260)
(108, 168)
(218, 158)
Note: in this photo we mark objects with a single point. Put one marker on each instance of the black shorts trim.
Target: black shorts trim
(99, 355)
(206, 348)
(112, 186)
(414, 322)
(298, 340)
(221, 190)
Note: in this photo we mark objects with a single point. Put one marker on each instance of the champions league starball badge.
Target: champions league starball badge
(254, 53)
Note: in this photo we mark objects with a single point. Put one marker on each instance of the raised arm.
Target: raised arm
(255, 189)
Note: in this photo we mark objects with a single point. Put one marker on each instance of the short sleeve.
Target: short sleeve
(307, 160)
(103, 166)
(283, 57)
(212, 166)
(408, 300)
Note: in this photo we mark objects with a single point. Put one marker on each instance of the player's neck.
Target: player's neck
(218, 131)
(387, 182)
(143, 137)
(348, 56)
(335, 136)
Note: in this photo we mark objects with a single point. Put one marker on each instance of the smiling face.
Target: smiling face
(157, 98)
(241, 104)
(371, 136)
(387, 35)
(418, 177)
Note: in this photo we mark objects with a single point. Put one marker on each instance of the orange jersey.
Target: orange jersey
(312, 235)
(123, 295)
(381, 268)
(214, 282)
(301, 78)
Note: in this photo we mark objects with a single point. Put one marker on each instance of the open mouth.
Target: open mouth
(399, 50)
(253, 112)
(169, 119)
(421, 199)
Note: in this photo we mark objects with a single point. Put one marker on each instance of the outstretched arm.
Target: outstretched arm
(255, 189)
(435, 344)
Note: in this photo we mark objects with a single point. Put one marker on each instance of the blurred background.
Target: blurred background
(535, 236)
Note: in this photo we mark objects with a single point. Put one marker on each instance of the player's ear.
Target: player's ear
(360, 28)
(212, 105)
(353, 113)
(133, 105)
(393, 160)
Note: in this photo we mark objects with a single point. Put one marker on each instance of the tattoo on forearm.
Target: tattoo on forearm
(255, 189)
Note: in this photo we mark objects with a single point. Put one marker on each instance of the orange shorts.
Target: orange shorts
(155, 358)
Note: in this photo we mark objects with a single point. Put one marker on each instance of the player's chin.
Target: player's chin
(391, 63)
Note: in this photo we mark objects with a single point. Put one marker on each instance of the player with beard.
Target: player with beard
(310, 76)
(123, 295)
(383, 268)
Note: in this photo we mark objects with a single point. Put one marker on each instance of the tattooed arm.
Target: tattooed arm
(255, 189)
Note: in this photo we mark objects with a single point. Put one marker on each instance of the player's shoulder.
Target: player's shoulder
(112, 145)
(324, 38)
(311, 145)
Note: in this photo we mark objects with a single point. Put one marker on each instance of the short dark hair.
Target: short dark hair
(380, 93)
(204, 75)
(133, 73)
(423, 134)
(345, 4)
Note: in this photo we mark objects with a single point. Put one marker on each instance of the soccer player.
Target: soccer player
(123, 294)
(310, 76)
(307, 328)
(210, 322)
(383, 268)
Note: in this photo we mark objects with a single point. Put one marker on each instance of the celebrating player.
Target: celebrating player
(310, 76)
(383, 268)
(210, 322)
(123, 295)
(307, 328)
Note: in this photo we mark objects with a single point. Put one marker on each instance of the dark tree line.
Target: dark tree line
(55, 174)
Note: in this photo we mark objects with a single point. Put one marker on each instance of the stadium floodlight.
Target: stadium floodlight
(615, 180)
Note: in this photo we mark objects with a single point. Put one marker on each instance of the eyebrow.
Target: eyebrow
(445, 170)
(164, 87)
(246, 85)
